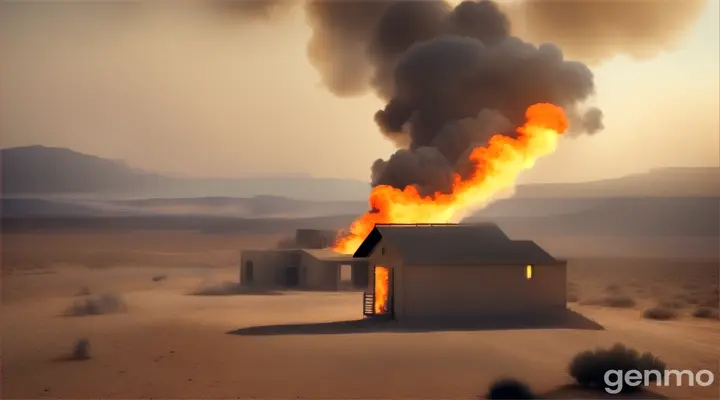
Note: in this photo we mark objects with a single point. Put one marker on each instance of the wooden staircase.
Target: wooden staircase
(368, 304)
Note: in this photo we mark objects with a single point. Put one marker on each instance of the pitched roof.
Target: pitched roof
(454, 244)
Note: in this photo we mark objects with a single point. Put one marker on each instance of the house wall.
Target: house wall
(388, 258)
(456, 291)
(268, 266)
(319, 274)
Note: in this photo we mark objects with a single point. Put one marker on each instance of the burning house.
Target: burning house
(310, 267)
(458, 271)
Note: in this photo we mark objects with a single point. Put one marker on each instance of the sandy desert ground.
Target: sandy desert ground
(166, 342)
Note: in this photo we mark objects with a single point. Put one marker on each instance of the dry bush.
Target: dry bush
(612, 300)
(509, 389)
(96, 305)
(589, 367)
(660, 313)
(158, 278)
(706, 312)
(81, 350)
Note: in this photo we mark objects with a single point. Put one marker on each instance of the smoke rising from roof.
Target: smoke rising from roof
(453, 76)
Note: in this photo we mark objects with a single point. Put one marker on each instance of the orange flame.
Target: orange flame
(497, 167)
(382, 282)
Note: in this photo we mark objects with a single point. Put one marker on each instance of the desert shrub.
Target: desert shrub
(81, 350)
(158, 278)
(660, 313)
(612, 300)
(589, 367)
(706, 312)
(96, 305)
(509, 389)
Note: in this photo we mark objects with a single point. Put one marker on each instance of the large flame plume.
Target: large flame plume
(496, 167)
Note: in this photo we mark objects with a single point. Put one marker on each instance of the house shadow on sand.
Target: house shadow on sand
(567, 320)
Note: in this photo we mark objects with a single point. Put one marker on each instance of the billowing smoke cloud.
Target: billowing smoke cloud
(594, 31)
(453, 76)
(444, 71)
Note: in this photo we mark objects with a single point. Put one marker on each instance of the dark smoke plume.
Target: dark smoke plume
(594, 31)
(451, 77)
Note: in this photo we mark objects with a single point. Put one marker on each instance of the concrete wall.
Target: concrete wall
(318, 274)
(482, 291)
(268, 266)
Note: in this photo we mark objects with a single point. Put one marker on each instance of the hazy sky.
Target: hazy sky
(183, 92)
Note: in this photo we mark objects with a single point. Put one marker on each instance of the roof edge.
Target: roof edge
(368, 244)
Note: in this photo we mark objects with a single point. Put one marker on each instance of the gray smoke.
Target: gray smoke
(594, 31)
(451, 77)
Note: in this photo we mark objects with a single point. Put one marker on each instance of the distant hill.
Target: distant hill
(690, 181)
(622, 217)
(52, 173)
(39, 170)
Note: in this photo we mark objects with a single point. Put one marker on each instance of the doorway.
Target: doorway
(383, 297)
(292, 276)
(248, 272)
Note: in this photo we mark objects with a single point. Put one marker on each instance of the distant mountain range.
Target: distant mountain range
(40, 172)
(49, 172)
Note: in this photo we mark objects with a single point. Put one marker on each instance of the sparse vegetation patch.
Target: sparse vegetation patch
(660, 313)
(588, 368)
(96, 305)
(706, 312)
(509, 389)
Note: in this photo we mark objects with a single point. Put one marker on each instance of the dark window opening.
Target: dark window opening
(292, 276)
(249, 275)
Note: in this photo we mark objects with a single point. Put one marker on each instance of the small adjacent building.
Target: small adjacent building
(458, 271)
(312, 268)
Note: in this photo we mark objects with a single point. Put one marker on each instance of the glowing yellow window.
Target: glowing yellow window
(528, 271)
